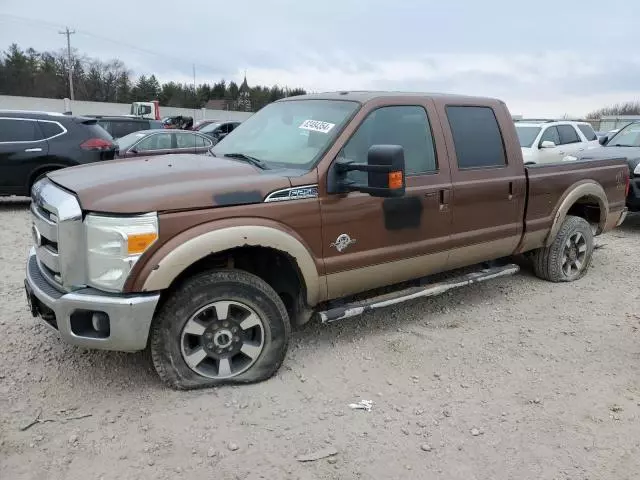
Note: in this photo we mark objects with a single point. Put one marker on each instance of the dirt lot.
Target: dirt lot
(515, 379)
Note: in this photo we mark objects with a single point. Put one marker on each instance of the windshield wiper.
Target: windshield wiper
(248, 158)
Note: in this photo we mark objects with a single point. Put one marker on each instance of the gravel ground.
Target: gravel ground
(517, 378)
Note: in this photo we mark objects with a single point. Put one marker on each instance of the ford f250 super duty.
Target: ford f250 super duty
(307, 210)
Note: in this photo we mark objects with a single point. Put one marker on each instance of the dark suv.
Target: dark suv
(34, 143)
(119, 127)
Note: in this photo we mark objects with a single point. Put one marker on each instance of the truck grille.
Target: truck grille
(57, 235)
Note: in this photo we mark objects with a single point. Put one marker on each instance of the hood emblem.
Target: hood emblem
(342, 242)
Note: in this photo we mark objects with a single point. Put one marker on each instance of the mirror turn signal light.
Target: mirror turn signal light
(395, 180)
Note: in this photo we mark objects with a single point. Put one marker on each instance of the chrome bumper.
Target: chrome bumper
(128, 317)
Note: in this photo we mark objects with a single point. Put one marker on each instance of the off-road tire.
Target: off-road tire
(201, 290)
(548, 261)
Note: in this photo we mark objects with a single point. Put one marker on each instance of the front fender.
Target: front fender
(194, 244)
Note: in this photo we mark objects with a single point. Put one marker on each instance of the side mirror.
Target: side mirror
(603, 140)
(221, 135)
(386, 173)
(548, 144)
(133, 150)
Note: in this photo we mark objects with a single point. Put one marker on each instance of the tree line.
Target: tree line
(619, 109)
(45, 74)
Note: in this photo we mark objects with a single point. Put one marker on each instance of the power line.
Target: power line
(68, 33)
(146, 51)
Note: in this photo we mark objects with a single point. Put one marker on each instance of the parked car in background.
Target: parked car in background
(218, 130)
(179, 122)
(625, 143)
(35, 143)
(120, 126)
(549, 141)
(202, 123)
(160, 142)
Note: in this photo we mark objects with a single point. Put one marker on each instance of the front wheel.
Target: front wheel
(220, 327)
(569, 256)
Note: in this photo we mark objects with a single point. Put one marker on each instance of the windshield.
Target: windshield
(290, 134)
(125, 142)
(629, 136)
(527, 135)
(209, 128)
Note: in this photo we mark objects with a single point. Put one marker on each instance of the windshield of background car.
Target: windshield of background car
(527, 135)
(209, 128)
(290, 134)
(128, 140)
(629, 136)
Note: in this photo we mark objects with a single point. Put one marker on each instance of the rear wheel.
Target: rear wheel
(220, 327)
(569, 256)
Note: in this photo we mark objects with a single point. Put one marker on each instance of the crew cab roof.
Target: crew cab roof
(363, 96)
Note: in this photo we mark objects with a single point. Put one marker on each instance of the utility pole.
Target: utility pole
(68, 33)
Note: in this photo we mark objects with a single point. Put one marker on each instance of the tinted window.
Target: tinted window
(186, 140)
(550, 135)
(588, 132)
(476, 137)
(568, 134)
(406, 126)
(160, 141)
(121, 128)
(527, 135)
(19, 131)
(50, 129)
(202, 142)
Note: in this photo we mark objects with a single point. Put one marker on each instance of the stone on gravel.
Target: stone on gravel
(426, 447)
(318, 454)
(233, 446)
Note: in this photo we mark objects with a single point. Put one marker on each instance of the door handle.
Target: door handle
(560, 153)
(510, 190)
(33, 150)
(444, 196)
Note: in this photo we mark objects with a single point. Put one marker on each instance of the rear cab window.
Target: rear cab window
(476, 136)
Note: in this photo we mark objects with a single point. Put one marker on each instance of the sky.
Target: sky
(543, 58)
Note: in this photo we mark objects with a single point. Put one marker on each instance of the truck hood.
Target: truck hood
(632, 154)
(168, 182)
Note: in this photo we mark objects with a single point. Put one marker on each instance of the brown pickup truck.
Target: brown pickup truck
(307, 210)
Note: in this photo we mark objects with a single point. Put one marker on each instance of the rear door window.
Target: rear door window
(476, 137)
(588, 132)
(568, 134)
(550, 135)
(16, 130)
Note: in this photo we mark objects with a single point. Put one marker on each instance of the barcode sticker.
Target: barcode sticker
(317, 126)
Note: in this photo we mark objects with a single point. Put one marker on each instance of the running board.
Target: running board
(432, 290)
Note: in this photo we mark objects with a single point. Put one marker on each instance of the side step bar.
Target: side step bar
(430, 290)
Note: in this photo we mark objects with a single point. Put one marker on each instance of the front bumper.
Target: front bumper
(88, 317)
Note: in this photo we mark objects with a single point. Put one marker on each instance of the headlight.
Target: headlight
(636, 171)
(114, 245)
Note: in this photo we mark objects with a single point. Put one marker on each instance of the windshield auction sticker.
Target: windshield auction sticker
(317, 126)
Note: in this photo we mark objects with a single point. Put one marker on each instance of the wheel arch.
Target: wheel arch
(190, 247)
(586, 199)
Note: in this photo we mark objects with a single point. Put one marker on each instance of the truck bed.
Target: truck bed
(549, 184)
